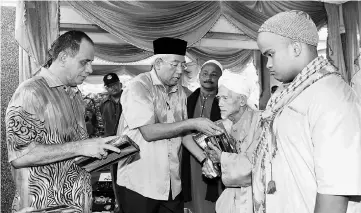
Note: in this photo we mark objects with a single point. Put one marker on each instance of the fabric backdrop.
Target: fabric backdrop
(140, 22)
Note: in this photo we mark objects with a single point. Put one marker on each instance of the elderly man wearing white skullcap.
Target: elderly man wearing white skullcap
(308, 158)
(241, 123)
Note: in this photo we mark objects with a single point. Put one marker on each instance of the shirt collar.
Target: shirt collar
(54, 81)
(157, 81)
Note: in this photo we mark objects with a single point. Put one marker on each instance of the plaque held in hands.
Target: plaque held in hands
(223, 142)
(128, 149)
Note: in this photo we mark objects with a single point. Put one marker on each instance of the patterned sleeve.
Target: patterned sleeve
(24, 125)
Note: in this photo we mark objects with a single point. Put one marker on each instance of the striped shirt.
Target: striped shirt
(45, 111)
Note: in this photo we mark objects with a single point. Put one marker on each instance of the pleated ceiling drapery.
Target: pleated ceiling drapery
(140, 22)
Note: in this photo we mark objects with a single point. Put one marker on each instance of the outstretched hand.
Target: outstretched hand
(207, 126)
(207, 169)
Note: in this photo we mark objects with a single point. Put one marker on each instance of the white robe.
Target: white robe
(237, 168)
(319, 148)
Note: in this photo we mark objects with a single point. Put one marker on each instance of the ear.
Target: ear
(243, 100)
(297, 48)
(62, 57)
(157, 63)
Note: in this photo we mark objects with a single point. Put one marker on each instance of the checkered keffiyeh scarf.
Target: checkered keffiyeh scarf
(267, 145)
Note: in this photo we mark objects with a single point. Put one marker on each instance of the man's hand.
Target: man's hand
(97, 147)
(206, 126)
(207, 169)
(214, 153)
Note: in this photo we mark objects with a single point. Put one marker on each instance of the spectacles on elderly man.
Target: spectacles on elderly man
(182, 65)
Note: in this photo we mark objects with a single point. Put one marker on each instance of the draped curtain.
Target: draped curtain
(249, 15)
(231, 59)
(350, 16)
(36, 27)
(334, 50)
(140, 22)
(120, 53)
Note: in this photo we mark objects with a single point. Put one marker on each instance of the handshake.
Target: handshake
(211, 145)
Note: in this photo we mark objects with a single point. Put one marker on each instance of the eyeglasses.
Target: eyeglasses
(182, 65)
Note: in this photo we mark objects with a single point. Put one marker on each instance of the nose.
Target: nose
(208, 78)
(220, 102)
(269, 64)
(89, 68)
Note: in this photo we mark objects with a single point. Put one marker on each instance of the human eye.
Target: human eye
(184, 65)
(85, 62)
(214, 76)
(270, 54)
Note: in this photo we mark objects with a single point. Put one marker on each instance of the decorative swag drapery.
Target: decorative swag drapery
(140, 22)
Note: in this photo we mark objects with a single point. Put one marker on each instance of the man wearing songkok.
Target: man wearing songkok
(308, 158)
(240, 119)
(45, 131)
(155, 117)
(202, 192)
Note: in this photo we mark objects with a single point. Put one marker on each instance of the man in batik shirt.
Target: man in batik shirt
(308, 158)
(46, 130)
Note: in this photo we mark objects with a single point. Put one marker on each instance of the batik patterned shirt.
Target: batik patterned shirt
(44, 111)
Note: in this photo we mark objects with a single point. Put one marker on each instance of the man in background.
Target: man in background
(111, 109)
(200, 192)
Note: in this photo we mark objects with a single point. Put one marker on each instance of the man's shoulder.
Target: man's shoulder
(330, 86)
(33, 83)
(142, 78)
(329, 91)
(194, 94)
(104, 100)
(34, 86)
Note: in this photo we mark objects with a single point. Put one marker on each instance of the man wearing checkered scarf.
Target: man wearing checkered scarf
(308, 157)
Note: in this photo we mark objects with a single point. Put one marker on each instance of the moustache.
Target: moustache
(210, 82)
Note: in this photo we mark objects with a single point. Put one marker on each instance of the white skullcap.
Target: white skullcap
(235, 82)
(296, 25)
(214, 62)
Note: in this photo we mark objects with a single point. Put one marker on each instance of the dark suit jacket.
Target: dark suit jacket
(212, 184)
